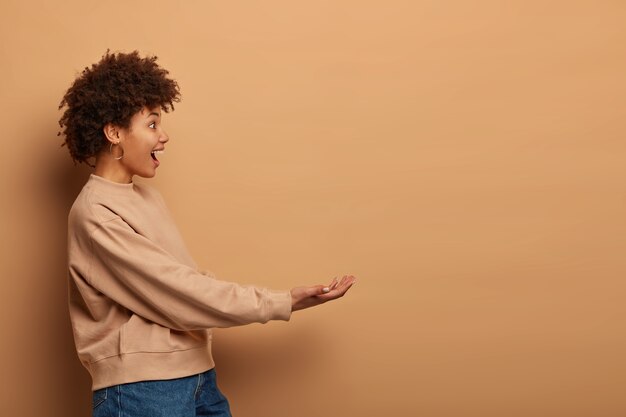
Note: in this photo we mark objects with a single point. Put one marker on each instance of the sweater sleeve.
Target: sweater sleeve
(142, 277)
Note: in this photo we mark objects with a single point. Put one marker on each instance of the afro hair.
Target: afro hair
(112, 91)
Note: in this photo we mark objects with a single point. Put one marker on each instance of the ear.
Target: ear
(112, 133)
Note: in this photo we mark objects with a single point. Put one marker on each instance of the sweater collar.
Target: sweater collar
(109, 186)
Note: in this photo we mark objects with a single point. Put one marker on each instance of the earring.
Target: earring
(111, 151)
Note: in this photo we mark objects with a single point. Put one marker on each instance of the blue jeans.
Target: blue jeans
(191, 396)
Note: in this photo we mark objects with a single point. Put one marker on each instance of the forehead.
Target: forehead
(147, 112)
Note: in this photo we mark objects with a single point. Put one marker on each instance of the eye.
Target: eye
(152, 125)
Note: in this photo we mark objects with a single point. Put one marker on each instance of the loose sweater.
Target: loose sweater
(139, 306)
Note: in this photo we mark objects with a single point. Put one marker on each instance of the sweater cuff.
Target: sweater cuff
(279, 305)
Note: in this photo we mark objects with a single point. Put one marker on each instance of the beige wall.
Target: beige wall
(464, 159)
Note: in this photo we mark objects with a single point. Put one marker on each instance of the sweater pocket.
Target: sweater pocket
(141, 335)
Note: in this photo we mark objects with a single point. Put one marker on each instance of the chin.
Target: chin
(147, 174)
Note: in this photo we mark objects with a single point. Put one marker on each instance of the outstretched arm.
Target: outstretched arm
(305, 297)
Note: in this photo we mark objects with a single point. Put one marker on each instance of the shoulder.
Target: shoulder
(87, 212)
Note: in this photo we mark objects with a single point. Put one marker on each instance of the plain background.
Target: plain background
(463, 159)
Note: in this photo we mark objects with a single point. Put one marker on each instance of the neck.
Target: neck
(111, 169)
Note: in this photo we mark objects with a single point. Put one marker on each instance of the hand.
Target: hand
(305, 297)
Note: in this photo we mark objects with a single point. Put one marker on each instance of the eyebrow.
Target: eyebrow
(156, 114)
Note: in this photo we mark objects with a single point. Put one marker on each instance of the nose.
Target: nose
(164, 137)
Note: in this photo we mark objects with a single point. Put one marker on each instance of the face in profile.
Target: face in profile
(142, 143)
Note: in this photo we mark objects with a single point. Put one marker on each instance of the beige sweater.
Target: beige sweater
(139, 306)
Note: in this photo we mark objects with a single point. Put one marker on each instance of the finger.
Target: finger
(346, 286)
(337, 289)
(337, 292)
(341, 284)
(334, 283)
(346, 280)
(316, 290)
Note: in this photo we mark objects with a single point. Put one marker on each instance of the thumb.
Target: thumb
(317, 290)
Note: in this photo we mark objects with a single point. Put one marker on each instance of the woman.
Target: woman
(141, 310)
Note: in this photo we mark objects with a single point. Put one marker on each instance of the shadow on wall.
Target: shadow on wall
(73, 391)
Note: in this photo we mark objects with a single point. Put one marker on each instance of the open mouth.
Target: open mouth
(153, 154)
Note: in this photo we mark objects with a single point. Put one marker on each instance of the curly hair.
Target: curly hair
(112, 91)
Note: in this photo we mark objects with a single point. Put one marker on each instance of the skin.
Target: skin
(306, 297)
(146, 134)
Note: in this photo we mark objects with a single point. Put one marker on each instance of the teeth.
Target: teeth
(153, 154)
